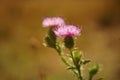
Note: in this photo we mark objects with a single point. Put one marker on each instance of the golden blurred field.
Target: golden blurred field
(22, 54)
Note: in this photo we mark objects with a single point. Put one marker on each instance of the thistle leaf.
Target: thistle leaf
(85, 61)
(71, 67)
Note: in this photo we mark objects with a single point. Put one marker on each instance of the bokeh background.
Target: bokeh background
(22, 54)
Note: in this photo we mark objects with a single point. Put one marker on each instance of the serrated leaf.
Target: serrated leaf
(71, 67)
(85, 61)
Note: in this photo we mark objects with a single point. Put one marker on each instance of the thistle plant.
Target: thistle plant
(61, 37)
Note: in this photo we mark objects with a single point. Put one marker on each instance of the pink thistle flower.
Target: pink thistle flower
(67, 31)
(53, 22)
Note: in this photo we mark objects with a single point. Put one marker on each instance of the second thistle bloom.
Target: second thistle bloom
(53, 22)
(67, 31)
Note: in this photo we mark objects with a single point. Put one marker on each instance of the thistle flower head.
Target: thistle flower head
(67, 31)
(53, 22)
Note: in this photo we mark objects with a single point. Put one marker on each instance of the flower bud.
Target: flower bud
(69, 42)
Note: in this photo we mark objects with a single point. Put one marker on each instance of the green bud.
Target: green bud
(93, 70)
(52, 35)
(76, 55)
(69, 42)
(49, 42)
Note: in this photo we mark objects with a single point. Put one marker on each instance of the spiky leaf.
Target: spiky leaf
(71, 67)
(85, 61)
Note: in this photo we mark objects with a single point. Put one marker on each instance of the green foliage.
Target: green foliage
(73, 60)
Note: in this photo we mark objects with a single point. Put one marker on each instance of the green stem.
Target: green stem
(78, 66)
(90, 77)
(58, 49)
(64, 60)
(79, 74)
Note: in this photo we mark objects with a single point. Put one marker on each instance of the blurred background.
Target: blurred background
(22, 54)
